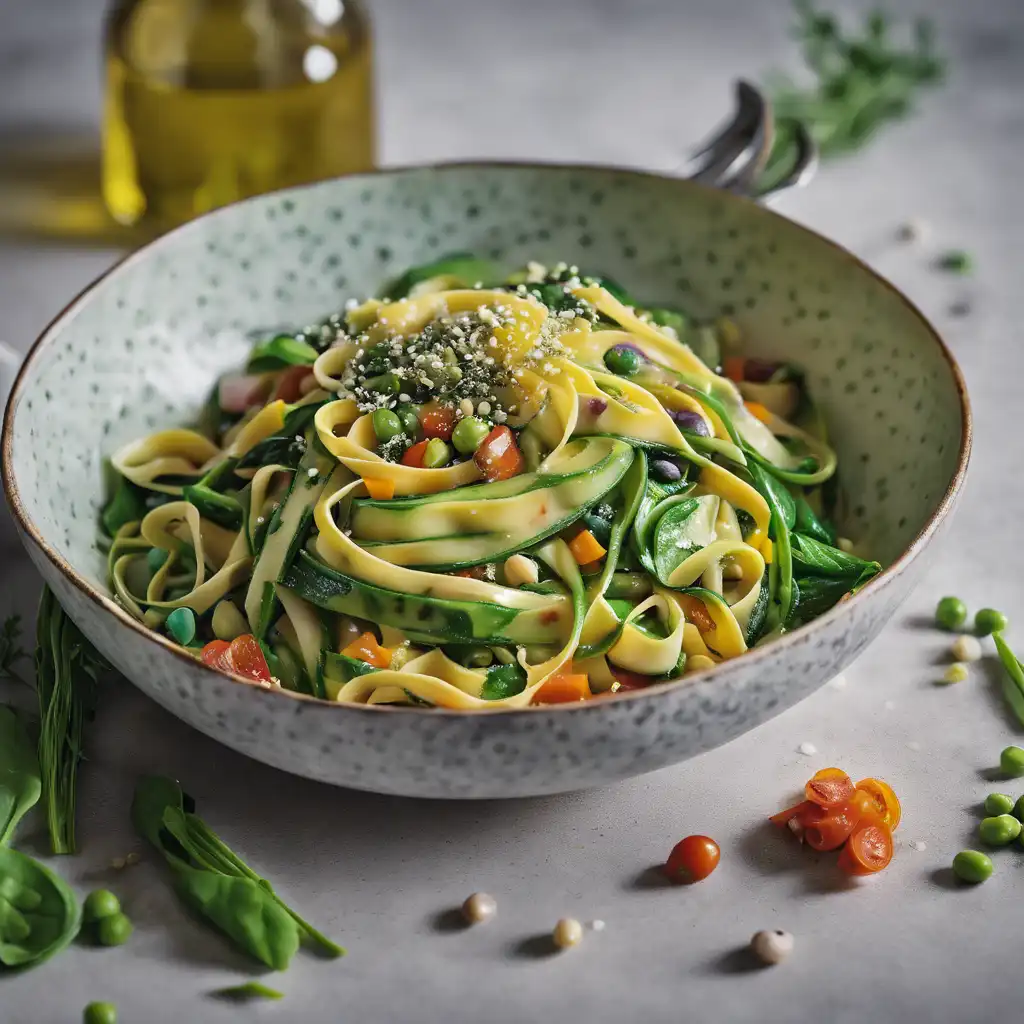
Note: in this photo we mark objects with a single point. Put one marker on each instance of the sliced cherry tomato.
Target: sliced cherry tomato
(868, 850)
(734, 367)
(629, 680)
(829, 788)
(498, 456)
(832, 827)
(692, 859)
(783, 818)
(414, 455)
(247, 657)
(437, 420)
(885, 801)
(288, 389)
(217, 654)
(696, 612)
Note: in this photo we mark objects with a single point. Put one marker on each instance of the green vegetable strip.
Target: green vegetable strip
(66, 669)
(1013, 681)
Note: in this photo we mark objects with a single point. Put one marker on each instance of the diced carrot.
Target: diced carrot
(758, 411)
(365, 648)
(379, 488)
(733, 367)
(585, 548)
(695, 612)
(414, 455)
(564, 689)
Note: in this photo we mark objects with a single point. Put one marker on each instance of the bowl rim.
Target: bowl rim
(759, 654)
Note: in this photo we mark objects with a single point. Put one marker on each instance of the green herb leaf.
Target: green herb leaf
(248, 990)
(20, 785)
(67, 667)
(956, 261)
(39, 914)
(279, 352)
(811, 557)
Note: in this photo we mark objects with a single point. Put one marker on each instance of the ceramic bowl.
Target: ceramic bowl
(140, 349)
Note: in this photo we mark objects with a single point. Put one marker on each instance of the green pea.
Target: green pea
(468, 434)
(410, 419)
(386, 424)
(115, 930)
(998, 803)
(972, 866)
(1011, 761)
(155, 557)
(1000, 830)
(988, 620)
(100, 1013)
(622, 360)
(98, 904)
(181, 624)
(436, 454)
(951, 613)
(1018, 809)
(385, 384)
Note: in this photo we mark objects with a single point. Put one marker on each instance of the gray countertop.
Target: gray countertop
(382, 874)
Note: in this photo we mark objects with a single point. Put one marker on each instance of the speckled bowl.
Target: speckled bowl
(140, 350)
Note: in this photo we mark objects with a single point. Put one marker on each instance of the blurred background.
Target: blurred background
(118, 120)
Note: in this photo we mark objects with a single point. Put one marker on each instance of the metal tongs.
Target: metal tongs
(736, 156)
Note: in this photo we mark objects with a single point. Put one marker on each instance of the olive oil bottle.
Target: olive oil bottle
(209, 101)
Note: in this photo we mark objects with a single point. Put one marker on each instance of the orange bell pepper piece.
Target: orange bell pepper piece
(379, 488)
(585, 548)
(365, 648)
(564, 689)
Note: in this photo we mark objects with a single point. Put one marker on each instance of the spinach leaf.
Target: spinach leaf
(759, 613)
(464, 265)
(243, 910)
(809, 524)
(780, 497)
(815, 595)
(127, 505)
(682, 529)
(811, 557)
(249, 914)
(279, 352)
(221, 509)
(503, 681)
(20, 785)
(39, 914)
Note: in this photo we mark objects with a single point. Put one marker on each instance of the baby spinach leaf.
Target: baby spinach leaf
(39, 914)
(684, 528)
(279, 352)
(20, 785)
(810, 525)
(243, 910)
(503, 681)
(811, 557)
(126, 506)
(780, 497)
(755, 624)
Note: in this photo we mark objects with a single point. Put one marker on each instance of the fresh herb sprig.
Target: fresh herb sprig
(859, 82)
(67, 667)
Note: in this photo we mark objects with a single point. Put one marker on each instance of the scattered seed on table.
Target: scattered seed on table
(998, 803)
(772, 947)
(972, 866)
(1011, 761)
(479, 907)
(807, 749)
(118, 863)
(962, 307)
(597, 925)
(132, 859)
(916, 844)
(839, 683)
(568, 933)
(912, 230)
(966, 648)
(956, 673)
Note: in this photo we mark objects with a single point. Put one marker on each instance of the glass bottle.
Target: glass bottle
(209, 101)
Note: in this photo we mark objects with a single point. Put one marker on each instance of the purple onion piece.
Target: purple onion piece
(760, 371)
(596, 406)
(665, 470)
(691, 422)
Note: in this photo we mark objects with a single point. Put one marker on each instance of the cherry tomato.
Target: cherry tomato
(629, 680)
(414, 455)
(498, 456)
(783, 818)
(692, 859)
(247, 657)
(868, 850)
(696, 612)
(830, 828)
(288, 389)
(437, 420)
(829, 788)
(217, 654)
(884, 800)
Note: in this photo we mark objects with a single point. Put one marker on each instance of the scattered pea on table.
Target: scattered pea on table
(1000, 830)
(972, 866)
(1011, 761)
(951, 613)
(988, 620)
(956, 673)
(115, 930)
(100, 1013)
(998, 803)
(100, 903)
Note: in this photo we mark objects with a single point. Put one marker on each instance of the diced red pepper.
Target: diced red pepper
(414, 455)
(498, 456)
(437, 420)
